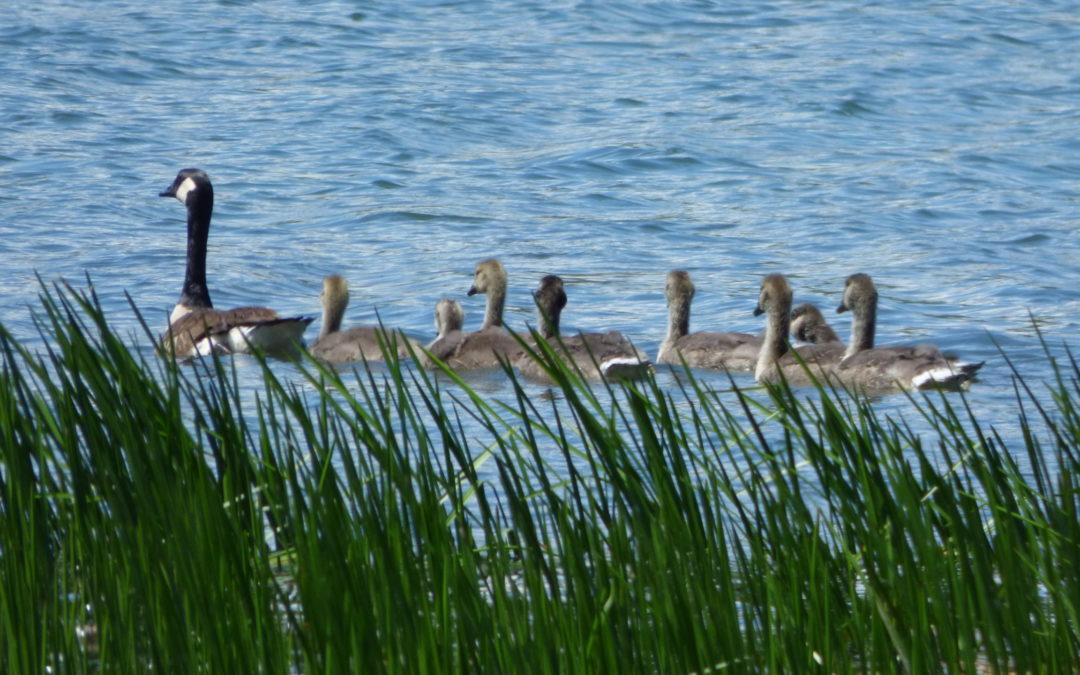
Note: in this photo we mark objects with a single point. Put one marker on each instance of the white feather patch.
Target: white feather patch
(625, 366)
(270, 336)
(182, 192)
(208, 346)
(178, 312)
(937, 376)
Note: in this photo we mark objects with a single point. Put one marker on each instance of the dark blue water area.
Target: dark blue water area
(933, 146)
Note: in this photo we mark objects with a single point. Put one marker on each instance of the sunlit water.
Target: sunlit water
(931, 145)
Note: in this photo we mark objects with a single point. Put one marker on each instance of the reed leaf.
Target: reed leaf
(181, 517)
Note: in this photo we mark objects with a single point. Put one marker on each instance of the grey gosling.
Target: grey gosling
(776, 356)
(592, 354)
(809, 325)
(360, 343)
(906, 367)
(449, 320)
(704, 349)
(489, 346)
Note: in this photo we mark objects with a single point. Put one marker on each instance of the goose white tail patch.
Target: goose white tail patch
(272, 336)
(625, 366)
(936, 377)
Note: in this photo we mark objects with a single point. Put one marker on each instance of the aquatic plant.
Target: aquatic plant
(157, 516)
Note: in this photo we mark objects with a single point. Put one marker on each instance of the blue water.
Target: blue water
(932, 145)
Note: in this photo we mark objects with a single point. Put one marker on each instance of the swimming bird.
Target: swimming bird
(875, 370)
(449, 320)
(592, 354)
(910, 367)
(808, 324)
(360, 343)
(776, 355)
(489, 346)
(704, 349)
(195, 327)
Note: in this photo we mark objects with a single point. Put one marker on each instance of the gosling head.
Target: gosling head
(860, 294)
(550, 298)
(335, 291)
(678, 286)
(808, 324)
(490, 275)
(550, 294)
(775, 295)
(449, 316)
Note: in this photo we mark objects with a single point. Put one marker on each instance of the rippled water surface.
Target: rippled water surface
(932, 145)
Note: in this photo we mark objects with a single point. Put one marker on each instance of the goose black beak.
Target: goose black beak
(168, 192)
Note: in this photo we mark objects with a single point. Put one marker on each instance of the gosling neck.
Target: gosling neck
(863, 326)
(333, 314)
(775, 344)
(493, 314)
(678, 318)
(549, 320)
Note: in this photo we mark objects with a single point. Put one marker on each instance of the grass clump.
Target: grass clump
(161, 516)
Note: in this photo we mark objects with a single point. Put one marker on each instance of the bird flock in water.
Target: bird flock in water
(197, 328)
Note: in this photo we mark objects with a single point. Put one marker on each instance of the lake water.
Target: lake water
(933, 145)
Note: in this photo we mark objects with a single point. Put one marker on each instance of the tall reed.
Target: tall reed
(162, 516)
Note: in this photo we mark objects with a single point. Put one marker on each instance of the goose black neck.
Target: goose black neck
(200, 206)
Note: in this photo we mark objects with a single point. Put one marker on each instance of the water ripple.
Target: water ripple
(932, 146)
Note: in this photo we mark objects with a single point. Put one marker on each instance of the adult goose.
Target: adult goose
(776, 357)
(704, 349)
(592, 354)
(360, 343)
(490, 346)
(910, 367)
(195, 327)
(449, 320)
(809, 325)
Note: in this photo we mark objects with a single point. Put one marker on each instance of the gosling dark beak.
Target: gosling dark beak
(842, 308)
(758, 311)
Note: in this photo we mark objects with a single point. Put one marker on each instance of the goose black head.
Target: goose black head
(190, 184)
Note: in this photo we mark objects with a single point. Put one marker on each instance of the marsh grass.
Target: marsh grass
(161, 517)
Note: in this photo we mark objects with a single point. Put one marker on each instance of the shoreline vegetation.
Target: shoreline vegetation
(154, 519)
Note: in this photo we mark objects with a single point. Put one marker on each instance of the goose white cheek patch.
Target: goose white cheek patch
(182, 192)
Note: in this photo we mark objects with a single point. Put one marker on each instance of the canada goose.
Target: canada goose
(776, 355)
(704, 349)
(917, 367)
(808, 324)
(360, 343)
(449, 319)
(195, 327)
(593, 354)
(489, 346)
